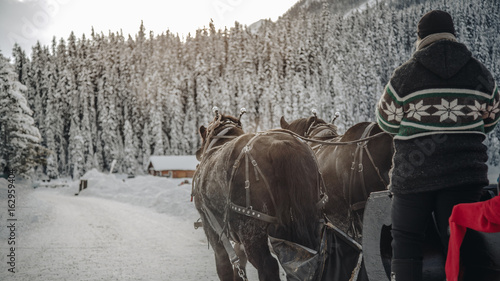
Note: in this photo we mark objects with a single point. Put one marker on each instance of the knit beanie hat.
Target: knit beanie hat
(435, 21)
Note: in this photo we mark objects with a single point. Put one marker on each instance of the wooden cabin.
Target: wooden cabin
(172, 166)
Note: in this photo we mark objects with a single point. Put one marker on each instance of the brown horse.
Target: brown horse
(350, 169)
(246, 183)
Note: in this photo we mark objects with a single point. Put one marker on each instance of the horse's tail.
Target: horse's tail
(296, 191)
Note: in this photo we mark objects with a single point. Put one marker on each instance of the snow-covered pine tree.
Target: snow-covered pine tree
(52, 121)
(146, 146)
(201, 81)
(269, 78)
(86, 125)
(38, 87)
(21, 64)
(129, 162)
(20, 150)
(190, 127)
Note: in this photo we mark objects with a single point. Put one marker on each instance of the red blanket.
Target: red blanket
(482, 216)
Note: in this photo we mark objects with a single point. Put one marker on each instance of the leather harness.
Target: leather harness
(358, 159)
(361, 149)
(248, 210)
(245, 156)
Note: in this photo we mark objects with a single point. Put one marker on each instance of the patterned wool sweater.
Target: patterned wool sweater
(439, 105)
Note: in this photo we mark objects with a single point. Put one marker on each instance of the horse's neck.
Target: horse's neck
(323, 132)
(221, 138)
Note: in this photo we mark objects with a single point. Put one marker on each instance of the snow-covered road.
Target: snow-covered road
(117, 229)
(60, 236)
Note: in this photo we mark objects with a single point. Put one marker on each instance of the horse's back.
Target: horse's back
(274, 172)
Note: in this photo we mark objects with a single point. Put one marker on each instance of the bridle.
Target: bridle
(218, 130)
(316, 127)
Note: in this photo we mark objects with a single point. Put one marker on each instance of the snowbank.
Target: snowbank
(164, 195)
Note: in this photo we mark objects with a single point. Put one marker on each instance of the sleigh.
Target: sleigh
(340, 258)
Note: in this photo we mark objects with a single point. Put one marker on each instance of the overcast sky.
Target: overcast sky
(26, 21)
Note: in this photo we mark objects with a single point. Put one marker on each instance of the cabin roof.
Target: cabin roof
(182, 163)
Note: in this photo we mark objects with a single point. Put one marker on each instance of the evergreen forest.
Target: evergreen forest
(88, 99)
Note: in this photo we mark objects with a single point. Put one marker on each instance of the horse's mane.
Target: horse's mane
(298, 126)
(355, 131)
(303, 126)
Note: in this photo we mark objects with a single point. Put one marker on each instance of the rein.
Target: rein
(331, 142)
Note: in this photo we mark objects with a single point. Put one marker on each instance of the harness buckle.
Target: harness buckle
(247, 184)
(254, 163)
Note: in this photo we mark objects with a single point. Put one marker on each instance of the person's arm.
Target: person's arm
(389, 111)
(491, 115)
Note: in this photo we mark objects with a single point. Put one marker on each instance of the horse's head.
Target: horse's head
(299, 126)
(222, 129)
(309, 127)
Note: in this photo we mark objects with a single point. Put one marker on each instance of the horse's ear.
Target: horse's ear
(198, 154)
(311, 120)
(203, 135)
(203, 132)
(283, 123)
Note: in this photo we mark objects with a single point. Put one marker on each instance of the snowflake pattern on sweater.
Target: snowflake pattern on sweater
(437, 111)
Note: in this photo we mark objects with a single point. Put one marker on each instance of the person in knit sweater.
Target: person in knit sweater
(439, 105)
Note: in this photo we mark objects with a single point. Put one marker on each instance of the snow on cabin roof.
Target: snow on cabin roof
(185, 162)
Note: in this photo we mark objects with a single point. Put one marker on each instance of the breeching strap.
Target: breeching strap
(233, 257)
(212, 220)
(358, 154)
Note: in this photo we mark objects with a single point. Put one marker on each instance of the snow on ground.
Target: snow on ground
(116, 229)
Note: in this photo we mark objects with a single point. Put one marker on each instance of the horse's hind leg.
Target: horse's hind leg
(260, 257)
